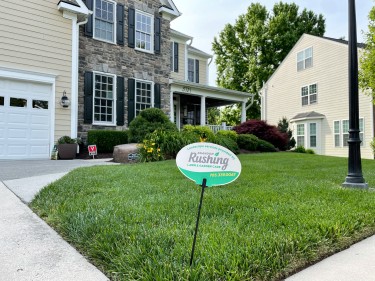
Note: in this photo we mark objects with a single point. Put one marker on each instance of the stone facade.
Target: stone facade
(96, 55)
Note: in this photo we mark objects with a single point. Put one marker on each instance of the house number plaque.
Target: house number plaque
(186, 89)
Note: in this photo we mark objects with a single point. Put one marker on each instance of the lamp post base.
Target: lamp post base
(352, 184)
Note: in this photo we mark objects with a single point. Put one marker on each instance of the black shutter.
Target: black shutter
(88, 98)
(197, 71)
(120, 24)
(157, 31)
(89, 31)
(120, 101)
(157, 95)
(131, 102)
(131, 28)
(175, 57)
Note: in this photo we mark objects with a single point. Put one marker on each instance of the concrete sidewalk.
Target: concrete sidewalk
(31, 250)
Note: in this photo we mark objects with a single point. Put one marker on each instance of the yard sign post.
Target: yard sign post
(207, 164)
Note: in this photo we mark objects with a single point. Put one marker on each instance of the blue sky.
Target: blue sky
(204, 19)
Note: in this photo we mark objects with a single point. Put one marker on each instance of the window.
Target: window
(104, 98)
(104, 20)
(143, 96)
(309, 94)
(40, 104)
(174, 57)
(144, 32)
(301, 135)
(18, 102)
(193, 70)
(345, 132)
(304, 59)
(336, 128)
(312, 134)
(2, 101)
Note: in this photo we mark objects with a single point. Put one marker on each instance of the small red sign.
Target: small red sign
(92, 150)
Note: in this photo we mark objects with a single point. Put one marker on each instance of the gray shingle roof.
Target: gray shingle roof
(310, 114)
(72, 2)
(359, 45)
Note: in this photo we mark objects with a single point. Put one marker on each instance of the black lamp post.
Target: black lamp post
(354, 177)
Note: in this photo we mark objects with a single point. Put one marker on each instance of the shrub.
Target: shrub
(147, 122)
(310, 151)
(372, 145)
(149, 149)
(67, 140)
(105, 140)
(300, 149)
(283, 126)
(199, 131)
(265, 132)
(265, 146)
(230, 134)
(248, 142)
(227, 142)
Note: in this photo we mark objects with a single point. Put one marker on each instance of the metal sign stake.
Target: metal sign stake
(197, 224)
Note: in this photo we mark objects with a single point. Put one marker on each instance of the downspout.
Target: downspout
(75, 67)
(208, 71)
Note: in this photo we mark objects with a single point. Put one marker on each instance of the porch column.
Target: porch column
(243, 112)
(203, 111)
(171, 114)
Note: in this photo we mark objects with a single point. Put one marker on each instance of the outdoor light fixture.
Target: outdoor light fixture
(65, 102)
(354, 178)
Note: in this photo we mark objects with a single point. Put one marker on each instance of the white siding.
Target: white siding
(35, 37)
(330, 73)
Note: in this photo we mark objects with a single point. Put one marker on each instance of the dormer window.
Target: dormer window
(304, 59)
(105, 18)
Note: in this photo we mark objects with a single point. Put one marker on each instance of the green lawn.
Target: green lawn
(136, 222)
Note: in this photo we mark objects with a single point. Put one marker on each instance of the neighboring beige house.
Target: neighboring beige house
(310, 88)
(38, 55)
(191, 95)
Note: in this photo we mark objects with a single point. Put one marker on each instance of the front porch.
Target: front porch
(190, 102)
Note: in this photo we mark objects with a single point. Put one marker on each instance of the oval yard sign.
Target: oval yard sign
(203, 160)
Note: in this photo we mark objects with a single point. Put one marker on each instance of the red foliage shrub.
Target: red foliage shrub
(265, 132)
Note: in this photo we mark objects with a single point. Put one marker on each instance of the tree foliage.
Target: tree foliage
(248, 52)
(367, 62)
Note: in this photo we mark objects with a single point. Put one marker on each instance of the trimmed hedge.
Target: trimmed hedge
(248, 142)
(148, 121)
(105, 140)
(265, 146)
(230, 134)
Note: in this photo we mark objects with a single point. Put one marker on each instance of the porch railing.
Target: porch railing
(216, 128)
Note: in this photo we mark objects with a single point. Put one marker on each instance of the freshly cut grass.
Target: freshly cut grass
(136, 222)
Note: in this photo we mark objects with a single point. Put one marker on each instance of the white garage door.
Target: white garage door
(25, 119)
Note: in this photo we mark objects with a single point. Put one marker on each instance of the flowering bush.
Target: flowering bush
(149, 149)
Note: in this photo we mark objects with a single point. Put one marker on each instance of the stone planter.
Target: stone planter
(67, 151)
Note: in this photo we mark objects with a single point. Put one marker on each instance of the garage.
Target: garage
(25, 119)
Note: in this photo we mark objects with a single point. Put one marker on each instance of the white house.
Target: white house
(311, 89)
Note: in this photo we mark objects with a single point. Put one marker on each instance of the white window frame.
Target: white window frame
(138, 12)
(309, 94)
(301, 135)
(337, 134)
(114, 22)
(135, 94)
(114, 98)
(304, 57)
(194, 70)
(172, 55)
(313, 135)
(361, 132)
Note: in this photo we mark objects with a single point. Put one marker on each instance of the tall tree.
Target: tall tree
(248, 52)
(367, 61)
